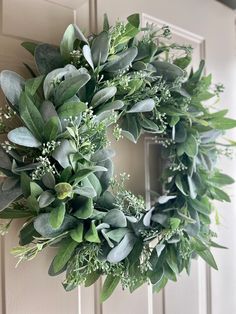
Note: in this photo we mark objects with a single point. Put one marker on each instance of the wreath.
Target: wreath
(57, 166)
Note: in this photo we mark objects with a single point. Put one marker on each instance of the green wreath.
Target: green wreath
(57, 163)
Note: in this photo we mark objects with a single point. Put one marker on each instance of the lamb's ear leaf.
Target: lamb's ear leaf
(115, 218)
(88, 55)
(143, 106)
(68, 88)
(45, 199)
(169, 72)
(103, 96)
(31, 116)
(77, 233)
(48, 58)
(110, 283)
(29, 46)
(23, 137)
(68, 41)
(106, 25)
(121, 60)
(42, 225)
(62, 153)
(123, 249)
(12, 85)
(100, 48)
(105, 176)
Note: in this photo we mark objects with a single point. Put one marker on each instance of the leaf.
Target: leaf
(45, 199)
(71, 109)
(183, 62)
(63, 190)
(25, 184)
(190, 146)
(223, 123)
(121, 60)
(32, 85)
(208, 257)
(42, 225)
(29, 46)
(11, 213)
(54, 76)
(92, 278)
(62, 153)
(143, 106)
(31, 116)
(114, 105)
(35, 189)
(160, 284)
(221, 179)
(9, 183)
(77, 234)
(87, 55)
(27, 234)
(103, 96)
(100, 48)
(49, 180)
(47, 58)
(67, 44)
(57, 216)
(180, 133)
(192, 187)
(102, 155)
(92, 235)
(115, 218)
(5, 161)
(110, 283)
(69, 87)
(105, 176)
(165, 198)
(85, 191)
(23, 137)
(7, 197)
(64, 254)
(85, 210)
(47, 110)
(12, 85)
(174, 223)
(179, 184)
(123, 249)
(117, 234)
(52, 128)
(169, 72)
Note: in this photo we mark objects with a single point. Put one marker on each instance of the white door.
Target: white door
(209, 27)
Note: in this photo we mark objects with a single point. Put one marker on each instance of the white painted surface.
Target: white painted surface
(29, 290)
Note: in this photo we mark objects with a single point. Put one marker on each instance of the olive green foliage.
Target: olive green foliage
(58, 164)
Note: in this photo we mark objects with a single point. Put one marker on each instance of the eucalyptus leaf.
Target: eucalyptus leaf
(47, 58)
(115, 218)
(100, 48)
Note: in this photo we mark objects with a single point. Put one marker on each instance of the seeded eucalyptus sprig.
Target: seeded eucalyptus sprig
(58, 162)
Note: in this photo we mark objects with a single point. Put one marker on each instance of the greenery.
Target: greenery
(58, 168)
